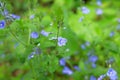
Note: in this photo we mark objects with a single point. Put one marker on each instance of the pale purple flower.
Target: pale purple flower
(101, 77)
(119, 20)
(83, 46)
(99, 2)
(93, 78)
(93, 65)
(62, 41)
(99, 12)
(32, 16)
(93, 58)
(77, 68)
(2, 24)
(44, 33)
(34, 35)
(85, 10)
(67, 71)
(112, 34)
(87, 43)
(81, 19)
(112, 74)
(62, 61)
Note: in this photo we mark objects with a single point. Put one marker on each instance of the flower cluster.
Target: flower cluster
(93, 59)
(6, 15)
(66, 70)
(83, 46)
(111, 73)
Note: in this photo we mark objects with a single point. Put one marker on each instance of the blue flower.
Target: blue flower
(2, 24)
(61, 41)
(85, 10)
(112, 34)
(67, 71)
(44, 33)
(93, 65)
(32, 16)
(99, 11)
(62, 62)
(101, 77)
(93, 58)
(83, 46)
(99, 2)
(93, 78)
(112, 74)
(87, 43)
(81, 19)
(34, 35)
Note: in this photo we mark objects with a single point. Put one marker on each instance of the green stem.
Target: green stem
(33, 72)
(29, 30)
